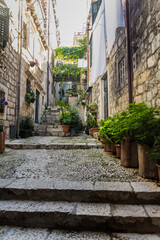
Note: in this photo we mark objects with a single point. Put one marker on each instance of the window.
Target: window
(25, 35)
(28, 86)
(121, 71)
(95, 8)
(90, 44)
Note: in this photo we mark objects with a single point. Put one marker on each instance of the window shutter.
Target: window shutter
(94, 11)
(4, 24)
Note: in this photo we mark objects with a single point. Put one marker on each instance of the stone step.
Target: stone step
(54, 145)
(17, 233)
(62, 190)
(81, 216)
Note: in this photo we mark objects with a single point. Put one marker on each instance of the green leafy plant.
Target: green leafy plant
(156, 150)
(26, 123)
(71, 91)
(30, 97)
(1, 126)
(66, 71)
(68, 115)
(3, 103)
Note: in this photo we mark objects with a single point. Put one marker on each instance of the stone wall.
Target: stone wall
(145, 42)
(8, 85)
(145, 15)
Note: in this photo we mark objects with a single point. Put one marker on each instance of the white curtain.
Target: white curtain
(114, 18)
(99, 44)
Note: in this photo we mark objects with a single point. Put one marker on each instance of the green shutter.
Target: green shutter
(90, 44)
(4, 24)
(94, 11)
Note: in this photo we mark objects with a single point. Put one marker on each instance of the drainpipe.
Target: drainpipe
(20, 66)
(48, 70)
(129, 52)
(87, 55)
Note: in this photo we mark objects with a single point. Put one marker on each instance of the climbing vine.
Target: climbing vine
(69, 55)
(72, 53)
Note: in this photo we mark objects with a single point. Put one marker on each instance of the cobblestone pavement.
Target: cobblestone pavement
(77, 164)
(7, 233)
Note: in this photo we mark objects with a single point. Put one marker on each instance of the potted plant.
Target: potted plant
(3, 103)
(156, 154)
(26, 127)
(30, 97)
(2, 138)
(92, 117)
(142, 124)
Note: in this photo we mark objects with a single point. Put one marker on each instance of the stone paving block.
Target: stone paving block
(79, 146)
(53, 146)
(68, 145)
(113, 186)
(134, 236)
(92, 209)
(3, 230)
(128, 211)
(70, 235)
(90, 145)
(63, 207)
(5, 182)
(21, 206)
(73, 185)
(154, 212)
(25, 234)
(146, 191)
(31, 184)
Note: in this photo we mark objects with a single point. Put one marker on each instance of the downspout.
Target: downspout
(19, 70)
(129, 52)
(48, 70)
(87, 55)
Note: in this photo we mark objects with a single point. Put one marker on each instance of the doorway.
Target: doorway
(37, 107)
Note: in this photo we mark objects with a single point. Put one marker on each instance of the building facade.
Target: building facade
(25, 59)
(111, 91)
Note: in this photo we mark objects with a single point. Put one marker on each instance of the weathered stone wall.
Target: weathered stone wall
(145, 42)
(8, 84)
(145, 35)
(118, 93)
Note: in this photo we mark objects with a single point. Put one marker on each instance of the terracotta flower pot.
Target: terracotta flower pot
(118, 150)
(94, 130)
(2, 142)
(147, 167)
(70, 94)
(66, 128)
(112, 148)
(158, 167)
(129, 154)
(106, 148)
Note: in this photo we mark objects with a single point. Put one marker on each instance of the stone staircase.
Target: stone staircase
(49, 125)
(104, 206)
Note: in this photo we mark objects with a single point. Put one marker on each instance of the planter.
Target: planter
(70, 94)
(73, 131)
(94, 130)
(2, 142)
(66, 128)
(158, 167)
(129, 154)
(106, 148)
(112, 148)
(147, 167)
(118, 150)
(25, 133)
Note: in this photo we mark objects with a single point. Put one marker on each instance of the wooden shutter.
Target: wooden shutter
(94, 11)
(4, 24)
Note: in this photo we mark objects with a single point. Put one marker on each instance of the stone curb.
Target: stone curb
(61, 190)
(81, 216)
(54, 146)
